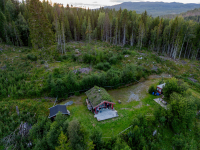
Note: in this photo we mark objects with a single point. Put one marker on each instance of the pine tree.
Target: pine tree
(62, 141)
(115, 20)
(40, 29)
(78, 28)
(10, 11)
(124, 18)
(106, 27)
(101, 19)
(141, 34)
(2, 5)
(89, 30)
(23, 28)
(68, 34)
(2, 25)
(83, 28)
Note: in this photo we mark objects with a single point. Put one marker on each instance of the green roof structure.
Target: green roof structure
(96, 95)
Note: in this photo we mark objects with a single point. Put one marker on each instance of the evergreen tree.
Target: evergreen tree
(89, 30)
(10, 11)
(2, 5)
(23, 28)
(124, 19)
(2, 25)
(40, 29)
(83, 28)
(101, 19)
(68, 34)
(62, 140)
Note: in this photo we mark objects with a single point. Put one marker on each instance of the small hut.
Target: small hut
(98, 99)
(160, 88)
(55, 109)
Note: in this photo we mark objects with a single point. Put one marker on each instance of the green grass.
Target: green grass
(111, 127)
(126, 110)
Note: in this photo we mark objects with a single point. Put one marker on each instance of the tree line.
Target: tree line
(21, 23)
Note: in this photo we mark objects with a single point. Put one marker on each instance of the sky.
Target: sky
(97, 3)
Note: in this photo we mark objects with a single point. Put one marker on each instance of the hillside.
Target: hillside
(156, 8)
(52, 55)
(31, 80)
(189, 15)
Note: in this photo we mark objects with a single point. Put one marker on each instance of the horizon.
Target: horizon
(93, 4)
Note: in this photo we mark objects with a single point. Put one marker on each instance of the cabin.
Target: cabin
(100, 103)
(160, 88)
(55, 109)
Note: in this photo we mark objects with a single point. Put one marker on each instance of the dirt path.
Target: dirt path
(132, 93)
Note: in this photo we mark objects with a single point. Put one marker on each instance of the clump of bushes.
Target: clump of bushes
(42, 62)
(126, 52)
(152, 89)
(103, 66)
(32, 57)
(113, 60)
(88, 58)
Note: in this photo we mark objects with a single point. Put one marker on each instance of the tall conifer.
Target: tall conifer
(40, 28)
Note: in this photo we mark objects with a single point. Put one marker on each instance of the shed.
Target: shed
(55, 109)
(98, 99)
(160, 88)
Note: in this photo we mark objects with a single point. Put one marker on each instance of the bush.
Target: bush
(126, 52)
(152, 89)
(77, 93)
(64, 57)
(25, 50)
(42, 62)
(113, 60)
(74, 58)
(103, 66)
(88, 58)
(32, 57)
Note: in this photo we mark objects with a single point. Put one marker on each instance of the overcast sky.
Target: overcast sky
(97, 3)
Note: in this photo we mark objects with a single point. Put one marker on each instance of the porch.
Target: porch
(106, 114)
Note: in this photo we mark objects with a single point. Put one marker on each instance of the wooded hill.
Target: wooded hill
(155, 8)
(21, 23)
(189, 15)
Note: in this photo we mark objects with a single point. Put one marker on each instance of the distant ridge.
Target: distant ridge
(156, 8)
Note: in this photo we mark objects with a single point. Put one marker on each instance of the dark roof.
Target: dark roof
(96, 95)
(55, 109)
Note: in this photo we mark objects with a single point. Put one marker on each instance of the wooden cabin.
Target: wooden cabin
(98, 99)
(160, 88)
(55, 109)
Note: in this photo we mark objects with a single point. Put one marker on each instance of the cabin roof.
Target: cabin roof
(96, 95)
(55, 109)
(161, 86)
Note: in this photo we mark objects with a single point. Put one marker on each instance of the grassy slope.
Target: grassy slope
(127, 111)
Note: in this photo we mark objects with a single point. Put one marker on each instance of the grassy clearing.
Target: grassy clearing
(126, 110)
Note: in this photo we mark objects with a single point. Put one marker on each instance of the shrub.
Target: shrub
(42, 62)
(152, 89)
(103, 66)
(113, 60)
(88, 58)
(64, 57)
(77, 93)
(32, 57)
(126, 52)
(100, 66)
(74, 58)
(25, 50)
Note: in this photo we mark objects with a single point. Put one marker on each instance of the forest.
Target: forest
(50, 51)
(21, 23)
